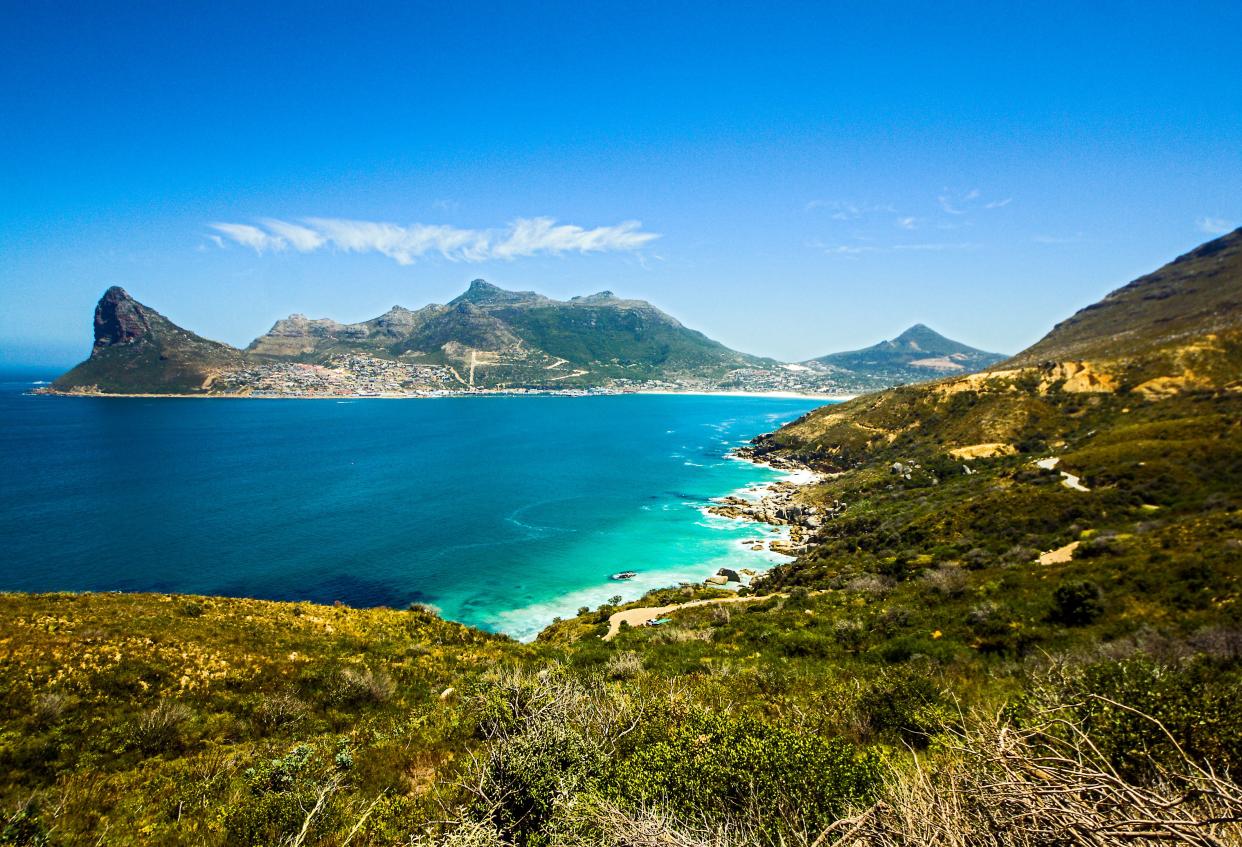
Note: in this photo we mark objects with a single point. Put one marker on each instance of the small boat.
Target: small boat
(624, 575)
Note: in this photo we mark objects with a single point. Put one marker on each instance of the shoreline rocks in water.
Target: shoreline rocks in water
(777, 506)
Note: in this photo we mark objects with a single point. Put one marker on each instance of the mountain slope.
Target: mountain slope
(520, 337)
(1116, 438)
(485, 338)
(1174, 331)
(918, 354)
(139, 350)
(1156, 325)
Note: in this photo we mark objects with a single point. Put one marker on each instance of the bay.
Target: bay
(501, 511)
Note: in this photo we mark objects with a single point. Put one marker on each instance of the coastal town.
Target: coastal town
(364, 375)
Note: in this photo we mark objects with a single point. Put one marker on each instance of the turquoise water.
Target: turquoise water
(501, 511)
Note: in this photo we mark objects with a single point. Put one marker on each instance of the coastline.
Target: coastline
(499, 392)
(768, 541)
(775, 503)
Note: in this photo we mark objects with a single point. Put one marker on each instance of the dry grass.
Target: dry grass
(1047, 784)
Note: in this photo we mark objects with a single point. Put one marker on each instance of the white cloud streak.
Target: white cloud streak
(1215, 226)
(251, 236)
(406, 244)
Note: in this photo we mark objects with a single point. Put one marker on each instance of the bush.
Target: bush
(160, 729)
(849, 634)
(718, 765)
(1199, 703)
(356, 686)
(279, 711)
(549, 740)
(624, 665)
(946, 581)
(281, 794)
(24, 829)
(904, 702)
(1076, 603)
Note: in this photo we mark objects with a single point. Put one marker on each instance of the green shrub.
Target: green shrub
(1196, 705)
(24, 828)
(280, 795)
(1076, 603)
(718, 764)
(903, 702)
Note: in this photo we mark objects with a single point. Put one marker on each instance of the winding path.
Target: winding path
(639, 616)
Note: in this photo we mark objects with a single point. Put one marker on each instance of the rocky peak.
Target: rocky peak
(601, 297)
(483, 293)
(298, 325)
(120, 319)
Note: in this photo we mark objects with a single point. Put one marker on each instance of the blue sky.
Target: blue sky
(791, 179)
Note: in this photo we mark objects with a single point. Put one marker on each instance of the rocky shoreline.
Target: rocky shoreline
(777, 505)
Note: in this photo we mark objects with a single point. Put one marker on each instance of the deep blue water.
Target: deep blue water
(501, 511)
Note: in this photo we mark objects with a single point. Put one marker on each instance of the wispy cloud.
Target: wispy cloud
(938, 246)
(848, 249)
(251, 236)
(961, 204)
(300, 238)
(406, 244)
(1215, 226)
(908, 223)
(529, 236)
(948, 204)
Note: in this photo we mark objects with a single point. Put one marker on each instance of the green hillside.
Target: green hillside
(521, 334)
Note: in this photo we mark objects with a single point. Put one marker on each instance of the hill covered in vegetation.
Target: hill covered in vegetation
(1018, 625)
(918, 354)
(136, 349)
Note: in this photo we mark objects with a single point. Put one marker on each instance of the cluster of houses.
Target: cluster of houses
(343, 375)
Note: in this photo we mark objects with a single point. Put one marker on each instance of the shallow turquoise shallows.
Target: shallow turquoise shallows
(503, 512)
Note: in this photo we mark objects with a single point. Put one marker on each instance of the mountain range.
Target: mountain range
(487, 337)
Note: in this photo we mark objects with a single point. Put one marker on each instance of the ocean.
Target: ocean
(500, 511)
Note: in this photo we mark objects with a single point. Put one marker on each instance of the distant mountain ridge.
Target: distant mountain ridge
(485, 338)
(523, 335)
(918, 354)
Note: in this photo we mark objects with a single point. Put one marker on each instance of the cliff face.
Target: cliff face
(138, 350)
(119, 319)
